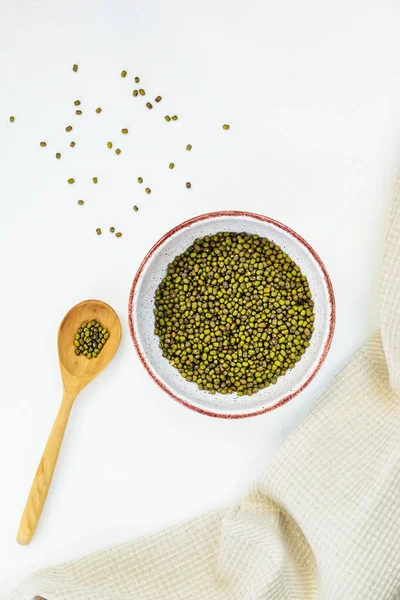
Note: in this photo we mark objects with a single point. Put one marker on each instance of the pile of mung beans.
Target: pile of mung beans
(90, 339)
(233, 313)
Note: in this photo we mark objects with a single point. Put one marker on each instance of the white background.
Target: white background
(312, 92)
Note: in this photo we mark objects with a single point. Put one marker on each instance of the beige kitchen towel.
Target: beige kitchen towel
(321, 522)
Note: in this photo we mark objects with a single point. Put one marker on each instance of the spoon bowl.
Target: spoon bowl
(77, 372)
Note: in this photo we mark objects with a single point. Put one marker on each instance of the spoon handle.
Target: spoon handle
(44, 474)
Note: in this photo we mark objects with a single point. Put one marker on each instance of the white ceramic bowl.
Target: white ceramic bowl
(141, 317)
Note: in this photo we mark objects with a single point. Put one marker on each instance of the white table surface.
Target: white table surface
(312, 92)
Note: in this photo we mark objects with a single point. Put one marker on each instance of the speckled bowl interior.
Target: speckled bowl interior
(141, 317)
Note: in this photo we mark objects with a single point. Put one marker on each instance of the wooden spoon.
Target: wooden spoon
(76, 372)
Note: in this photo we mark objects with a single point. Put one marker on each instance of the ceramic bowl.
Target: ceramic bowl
(141, 317)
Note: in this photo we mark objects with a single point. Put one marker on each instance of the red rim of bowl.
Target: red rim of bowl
(233, 213)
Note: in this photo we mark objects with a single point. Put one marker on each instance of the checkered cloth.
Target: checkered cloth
(321, 522)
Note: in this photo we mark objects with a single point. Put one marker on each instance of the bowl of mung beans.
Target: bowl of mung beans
(232, 314)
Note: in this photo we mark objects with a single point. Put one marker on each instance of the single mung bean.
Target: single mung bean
(167, 118)
(149, 105)
(171, 165)
(118, 151)
(77, 102)
(72, 144)
(69, 128)
(135, 208)
(147, 190)
(95, 180)
(119, 234)
(124, 130)
(109, 144)
(71, 180)
(58, 154)
(43, 144)
(158, 99)
(142, 92)
(135, 93)
(123, 73)
(74, 68)
(78, 112)
(174, 118)
(81, 202)
(188, 185)
(137, 79)
(12, 119)
(98, 110)
(226, 126)
(112, 229)
(189, 147)
(98, 231)
(140, 179)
